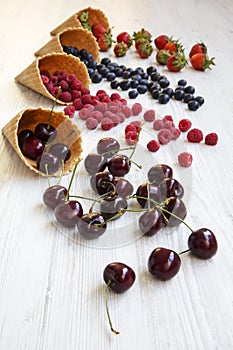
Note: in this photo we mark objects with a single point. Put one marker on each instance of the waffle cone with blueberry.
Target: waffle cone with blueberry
(77, 37)
(66, 132)
(51, 63)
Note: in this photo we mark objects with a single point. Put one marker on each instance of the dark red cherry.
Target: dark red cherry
(92, 225)
(170, 187)
(68, 214)
(119, 165)
(23, 136)
(150, 222)
(61, 151)
(54, 195)
(123, 187)
(32, 148)
(45, 132)
(159, 172)
(101, 182)
(148, 191)
(95, 163)
(203, 243)
(164, 263)
(119, 277)
(47, 163)
(176, 211)
(110, 206)
(106, 145)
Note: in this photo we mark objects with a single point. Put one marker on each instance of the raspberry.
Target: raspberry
(168, 124)
(70, 110)
(45, 79)
(91, 123)
(54, 80)
(123, 101)
(45, 73)
(126, 111)
(136, 108)
(101, 92)
(86, 99)
(75, 94)
(184, 125)
(137, 124)
(65, 96)
(77, 103)
(195, 135)
(122, 116)
(175, 133)
(115, 96)
(158, 124)
(153, 146)
(97, 115)
(116, 119)
(64, 85)
(84, 113)
(131, 137)
(106, 98)
(114, 109)
(211, 139)
(185, 159)
(149, 115)
(167, 118)
(101, 106)
(164, 136)
(130, 127)
(85, 91)
(107, 123)
(68, 77)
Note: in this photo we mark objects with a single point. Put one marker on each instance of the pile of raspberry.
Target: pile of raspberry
(65, 87)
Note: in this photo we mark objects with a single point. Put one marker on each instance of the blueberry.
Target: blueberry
(151, 69)
(193, 105)
(155, 94)
(136, 76)
(142, 89)
(110, 76)
(105, 60)
(90, 71)
(125, 84)
(189, 89)
(131, 70)
(163, 98)
(134, 83)
(154, 76)
(164, 82)
(144, 82)
(139, 70)
(100, 67)
(118, 71)
(153, 86)
(182, 82)
(126, 74)
(104, 71)
(188, 97)
(133, 94)
(96, 78)
(123, 67)
(168, 91)
(84, 53)
(161, 77)
(179, 94)
(200, 100)
(114, 84)
(144, 75)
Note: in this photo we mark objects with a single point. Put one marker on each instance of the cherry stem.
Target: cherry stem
(107, 308)
(53, 105)
(184, 251)
(72, 178)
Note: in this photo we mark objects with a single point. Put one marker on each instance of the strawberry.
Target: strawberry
(145, 50)
(142, 34)
(176, 62)
(98, 30)
(83, 18)
(173, 46)
(124, 37)
(200, 61)
(162, 56)
(120, 49)
(105, 41)
(160, 41)
(198, 48)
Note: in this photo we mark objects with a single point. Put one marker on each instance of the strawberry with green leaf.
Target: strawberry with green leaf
(176, 62)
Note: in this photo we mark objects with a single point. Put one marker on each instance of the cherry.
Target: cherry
(142, 194)
(111, 207)
(32, 148)
(45, 132)
(61, 151)
(170, 187)
(123, 187)
(174, 211)
(48, 163)
(158, 173)
(164, 263)
(95, 163)
(119, 165)
(23, 136)
(106, 145)
(92, 225)
(54, 195)
(150, 222)
(202, 243)
(101, 182)
(119, 277)
(68, 213)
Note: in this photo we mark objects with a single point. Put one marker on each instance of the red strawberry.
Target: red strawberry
(162, 56)
(176, 62)
(200, 61)
(145, 50)
(105, 41)
(173, 46)
(160, 41)
(198, 48)
(120, 49)
(142, 34)
(124, 37)
(98, 30)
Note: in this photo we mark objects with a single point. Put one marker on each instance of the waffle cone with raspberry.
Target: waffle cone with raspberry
(67, 132)
(94, 16)
(77, 37)
(31, 77)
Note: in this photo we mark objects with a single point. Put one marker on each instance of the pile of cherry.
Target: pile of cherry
(160, 204)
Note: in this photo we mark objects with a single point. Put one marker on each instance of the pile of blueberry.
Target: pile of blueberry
(84, 56)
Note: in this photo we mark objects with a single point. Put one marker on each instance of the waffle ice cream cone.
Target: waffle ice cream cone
(31, 78)
(67, 132)
(77, 37)
(94, 16)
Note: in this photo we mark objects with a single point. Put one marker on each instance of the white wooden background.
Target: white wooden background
(51, 286)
